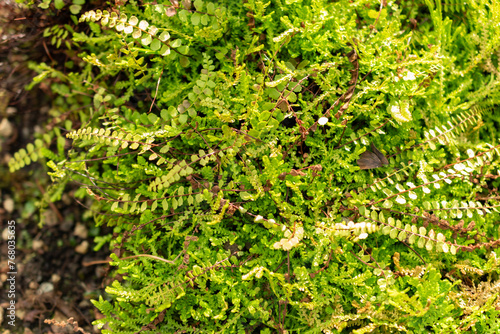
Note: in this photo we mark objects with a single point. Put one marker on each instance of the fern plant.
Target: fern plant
(222, 144)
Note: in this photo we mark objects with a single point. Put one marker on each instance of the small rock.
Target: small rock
(5, 128)
(28, 293)
(33, 285)
(8, 204)
(11, 111)
(66, 199)
(55, 278)
(21, 313)
(6, 234)
(84, 304)
(50, 218)
(4, 97)
(20, 268)
(81, 231)
(38, 245)
(67, 225)
(82, 248)
(26, 131)
(6, 158)
(44, 288)
(27, 330)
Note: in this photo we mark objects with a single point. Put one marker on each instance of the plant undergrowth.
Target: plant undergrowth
(222, 142)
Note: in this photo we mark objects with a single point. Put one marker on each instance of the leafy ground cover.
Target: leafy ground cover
(284, 166)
